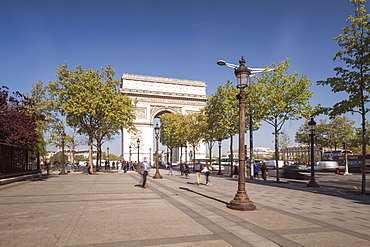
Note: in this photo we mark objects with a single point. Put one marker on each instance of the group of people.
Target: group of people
(143, 168)
(263, 170)
(199, 168)
(124, 165)
(185, 170)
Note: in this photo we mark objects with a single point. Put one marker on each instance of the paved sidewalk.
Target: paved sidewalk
(109, 210)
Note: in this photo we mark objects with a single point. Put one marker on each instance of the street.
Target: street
(111, 209)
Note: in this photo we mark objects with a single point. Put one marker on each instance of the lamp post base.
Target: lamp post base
(241, 202)
(157, 176)
(313, 184)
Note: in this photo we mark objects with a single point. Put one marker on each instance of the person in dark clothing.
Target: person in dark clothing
(144, 168)
(264, 171)
(198, 169)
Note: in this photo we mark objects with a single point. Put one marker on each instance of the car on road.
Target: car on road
(326, 166)
(296, 171)
(215, 167)
(271, 164)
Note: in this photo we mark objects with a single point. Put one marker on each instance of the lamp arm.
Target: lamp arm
(230, 65)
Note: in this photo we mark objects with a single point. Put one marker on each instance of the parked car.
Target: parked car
(296, 171)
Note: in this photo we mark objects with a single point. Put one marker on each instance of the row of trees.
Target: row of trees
(333, 132)
(178, 131)
(87, 101)
(274, 97)
(57, 158)
(353, 76)
(277, 96)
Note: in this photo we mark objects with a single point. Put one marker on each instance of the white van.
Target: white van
(271, 164)
(326, 165)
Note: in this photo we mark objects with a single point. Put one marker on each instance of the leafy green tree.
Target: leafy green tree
(79, 158)
(353, 77)
(329, 134)
(282, 97)
(72, 141)
(89, 102)
(173, 131)
(198, 127)
(222, 115)
(284, 143)
(355, 143)
(40, 97)
(302, 134)
(58, 157)
(114, 157)
(337, 131)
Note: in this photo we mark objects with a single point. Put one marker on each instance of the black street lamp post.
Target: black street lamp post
(186, 152)
(138, 150)
(219, 157)
(63, 171)
(107, 161)
(130, 153)
(311, 127)
(157, 175)
(241, 200)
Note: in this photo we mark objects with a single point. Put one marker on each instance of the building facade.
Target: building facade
(156, 96)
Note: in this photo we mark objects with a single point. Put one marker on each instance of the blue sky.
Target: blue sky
(175, 39)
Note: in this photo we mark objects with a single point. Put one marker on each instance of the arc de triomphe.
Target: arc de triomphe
(155, 96)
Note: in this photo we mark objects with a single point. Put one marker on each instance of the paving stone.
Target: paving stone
(108, 209)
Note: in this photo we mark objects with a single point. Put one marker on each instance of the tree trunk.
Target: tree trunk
(210, 154)
(231, 157)
(91, 155)
(277, 154)
(98, 156)
(251, 166)
(363, 187)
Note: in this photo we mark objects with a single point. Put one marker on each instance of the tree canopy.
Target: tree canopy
(353, 77)
(19, 119)
(282, 97)
(89, 102)
(329, 134)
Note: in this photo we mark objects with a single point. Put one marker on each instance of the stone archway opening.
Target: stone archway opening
(156, 96)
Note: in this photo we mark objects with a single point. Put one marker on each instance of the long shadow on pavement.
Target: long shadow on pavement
(204, 195)
(324, 189)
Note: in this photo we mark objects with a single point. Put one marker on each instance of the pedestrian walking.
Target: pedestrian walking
(170, 168)
(124, 165)
(47, 164)
(187, 171)
(264, 171)
(119, 166)
(198, 169)
(144, 168)
(207, 171)
(136, 166)
(88, 167)
(256, 170)
(182, 168)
